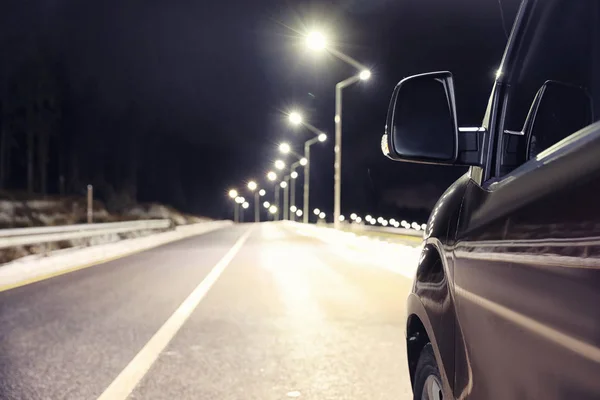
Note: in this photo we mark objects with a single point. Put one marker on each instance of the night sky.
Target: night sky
(213, 79)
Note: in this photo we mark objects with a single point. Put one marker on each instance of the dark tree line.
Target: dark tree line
(56, 139)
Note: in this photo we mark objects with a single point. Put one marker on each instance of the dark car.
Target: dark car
(506, 299)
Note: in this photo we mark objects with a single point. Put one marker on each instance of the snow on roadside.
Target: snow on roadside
(31, 267)
(397, 257)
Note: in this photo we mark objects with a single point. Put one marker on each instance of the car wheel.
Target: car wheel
(428, 383)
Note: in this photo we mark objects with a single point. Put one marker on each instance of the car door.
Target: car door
(527, 252)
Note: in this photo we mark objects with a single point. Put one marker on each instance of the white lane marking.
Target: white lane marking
(133, 373)
(584, 349)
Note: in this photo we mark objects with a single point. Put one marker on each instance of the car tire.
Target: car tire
(428, 382)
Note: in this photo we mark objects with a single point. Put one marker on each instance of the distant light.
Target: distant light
(295, 118)
(424, 226)
(322, 215)
(303, 161)
(279, 164)
(245, 205)
(294, 175)
(353, 216)
(396, 224)
(368, 218)
(372, 222)
(358, 220)
(273, 209)
(239, 200)
(252, 186)
(392, 221)
(380, 220)
(342, 218)
(384, 223)
(365, 75)
(403, 222)
(283, 184)
(266, 204)
(316, 41)
(414, 225)
(271, 176)
(317, 211)
(293, 209)
(322, 137)
(418, 228)
(262, 192)
(284, 148)
(299, 213)
(233, 193)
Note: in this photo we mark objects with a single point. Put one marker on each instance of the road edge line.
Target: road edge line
(128, 379)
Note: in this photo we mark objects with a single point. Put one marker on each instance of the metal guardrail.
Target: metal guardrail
(37, 235)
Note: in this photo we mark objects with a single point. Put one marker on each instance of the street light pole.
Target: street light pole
(277, 202)
(286, 198)
(256, 206)
(236, 213)
(337, 164)
(307, 145)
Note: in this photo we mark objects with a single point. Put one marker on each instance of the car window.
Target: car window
(559, 63)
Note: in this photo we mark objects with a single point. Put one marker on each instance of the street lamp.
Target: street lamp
(253, 186)
(245, 205)
(273, 209)
(284, 148)
(233, 193)
(298, 213)
(295, 118)
(272, 176)
(303, 161)
(317, 211)
(279, 164)
(262, 192)
(316, 41)
(266, 204)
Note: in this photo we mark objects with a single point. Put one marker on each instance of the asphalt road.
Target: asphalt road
(289, 317)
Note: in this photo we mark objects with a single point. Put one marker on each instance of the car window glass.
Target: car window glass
(561, 45)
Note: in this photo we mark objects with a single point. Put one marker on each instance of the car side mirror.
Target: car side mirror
(422, 124)
(558, 110)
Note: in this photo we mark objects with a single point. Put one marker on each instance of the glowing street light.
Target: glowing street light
(272, 176)
(322, 215)
(342, 218)
(353, 216)
(317, 211)
(239, 200)
(372, 222)
(279, 164)
(233, 193)
(368, 218)
(294, 175)
(262, 192)
(299, 213)
(365, 75)
(252, 186)
(283, 184)
(316, 41)
(358, 220)
(245, 205)
(293, 209)
(295, 118)
(284, 148)
(322, 137)
(273, 209)
(303, 161)
(266, 204)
